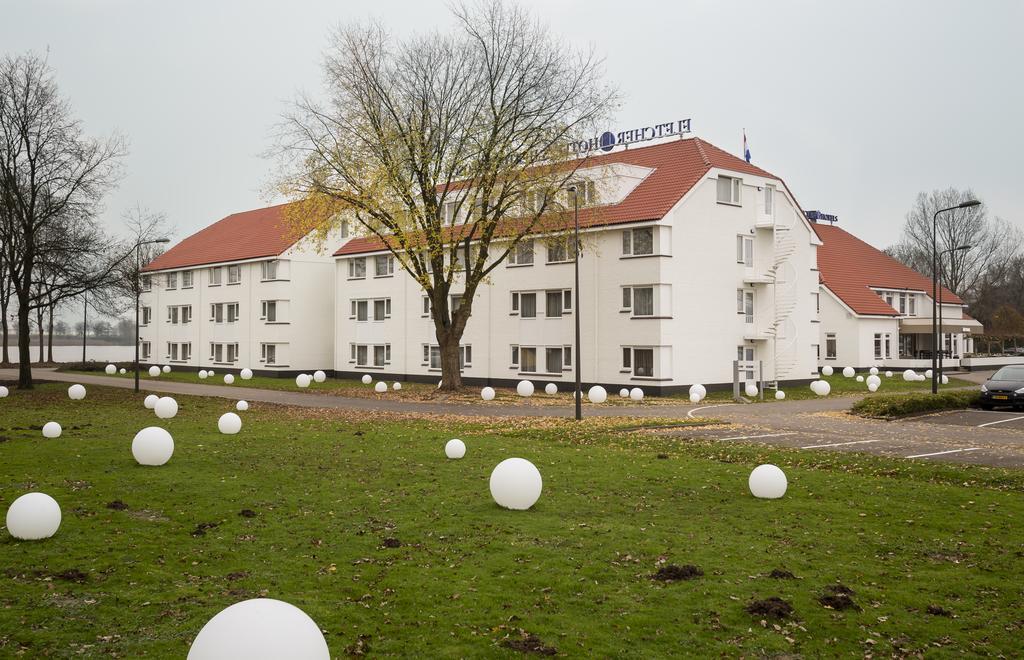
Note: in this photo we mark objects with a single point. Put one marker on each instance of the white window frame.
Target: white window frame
(745, 304)
(769, 200)
(268, 353)
(831, 339)
(560, 243)
(745, 250)
(216, 274)
(357, 268)
(268, 270)
(266, 307)
(171, 281)
(234, 274)
(734, 195)
(388, 262)
(629, 244)
(187, 279)
(523, 254)
(147, 315)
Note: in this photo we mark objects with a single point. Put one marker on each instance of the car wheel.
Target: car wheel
(987, 406)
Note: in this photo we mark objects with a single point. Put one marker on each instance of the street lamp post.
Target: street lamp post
(959, 248)
(138, 296)
(935, 289)
(576, 294)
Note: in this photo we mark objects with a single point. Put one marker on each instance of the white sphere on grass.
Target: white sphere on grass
(150, 401)
(396, 386)
(202, 374)
(524, 388)
(33, 516)
(152, 446)
(624, 392)
(699, 390)
(4, 392)
(873, 371)
(750, 389)
(945, 379)
(110, 369)
(826, 370)
(76, 392)
(242, 406)
(229, 379)
(888, 374)
(211, 373)
(922, 378)
(380, 387)
(821, 387)
(516, 484)
(860, 379)
(166, 407)
(51, 430)
(487, 394)
(873, 380)
(123, 371)
(302, 380)
(909, 375)
(694, 397)
(848, 372)
(260, 628)
(319, 376)
(780, 395)
(636, 394)
(872, 387)
(455, 448)
(928, 373)
(597, 394)
(551, 388)
(154, 371)
(767, 482)
(246, 374)
(167, 369)
(367, 379)
(229, 423)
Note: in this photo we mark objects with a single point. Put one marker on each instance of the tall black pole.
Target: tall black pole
(138, 295)
(942, 335)
(935, 292)
(85, 321)
(576, 247)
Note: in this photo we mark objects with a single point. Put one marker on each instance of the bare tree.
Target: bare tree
(51, 176)
(449, 148)
(993, 241)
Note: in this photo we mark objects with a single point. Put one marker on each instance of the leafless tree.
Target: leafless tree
(52, 177)
(993, 241)
(450, 148)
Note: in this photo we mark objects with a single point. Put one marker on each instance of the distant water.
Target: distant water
(74, 353)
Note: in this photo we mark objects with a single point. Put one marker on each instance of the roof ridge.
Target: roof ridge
(700, 149)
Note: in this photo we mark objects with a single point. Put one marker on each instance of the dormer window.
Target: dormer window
(448, 212)
(729, 190)
(585, 189)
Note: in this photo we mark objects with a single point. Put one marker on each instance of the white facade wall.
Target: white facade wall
(302, 334)
(695, 329)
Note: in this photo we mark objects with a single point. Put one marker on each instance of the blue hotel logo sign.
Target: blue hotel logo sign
(607, 141)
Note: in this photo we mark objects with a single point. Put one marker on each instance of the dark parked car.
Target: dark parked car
(1004, 388)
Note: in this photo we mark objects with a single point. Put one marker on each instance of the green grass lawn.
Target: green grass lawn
(931, 552)
(842, 386)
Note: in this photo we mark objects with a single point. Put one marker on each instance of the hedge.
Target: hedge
(891, 406)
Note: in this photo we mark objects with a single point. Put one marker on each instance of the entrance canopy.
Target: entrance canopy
(923, 325)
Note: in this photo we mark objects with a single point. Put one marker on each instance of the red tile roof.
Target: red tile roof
(849, 267)
(240, 236)
(678, 166)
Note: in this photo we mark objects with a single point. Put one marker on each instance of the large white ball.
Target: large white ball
(848, 372)
(154, 371)
(928, 374)
(367, 379)
(123, 371)
(229, 379)
(597, 394)
(872, 387)
(945, 379)
(302, 380)
(694, 397)
(888, 374)
(260, 629)
(76, 392)
(487, 394)
(921, 378)
(319, 376)
(51, 430)
(229, 423)
(860, 379)
(826, 370)
(242, 406)
(636, 394)
(4, 392)
(767, 482)
(202, 374)
(380, 387)
(551, 388)
(873, 379)
(150, 401)
(167, 369)
(33, 516)
(166, 407)
(516, 484)
(524, 388)
(909, 375)
(624, 392)
(211, 373)
(873, 371)
(246, 374)
(455, 448)
(780, 395)
(396, 386)
(699, 390)
(110, 369)
(750, 390)
(821, 387)
(152, 446)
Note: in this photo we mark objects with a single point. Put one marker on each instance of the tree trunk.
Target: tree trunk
(24, 346)
(451, 373)
(4, 329)
(40, 317)
(49, 338)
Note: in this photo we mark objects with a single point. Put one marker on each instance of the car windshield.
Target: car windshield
(1010, 373)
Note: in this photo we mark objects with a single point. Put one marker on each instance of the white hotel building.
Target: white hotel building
(692, 258)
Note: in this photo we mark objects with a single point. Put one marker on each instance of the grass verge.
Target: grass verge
(892, 406)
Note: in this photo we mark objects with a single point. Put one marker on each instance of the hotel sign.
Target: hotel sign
(607, 141)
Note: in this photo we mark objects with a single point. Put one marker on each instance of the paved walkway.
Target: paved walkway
(808, 424)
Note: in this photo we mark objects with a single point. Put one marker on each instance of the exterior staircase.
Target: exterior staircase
(784, 337)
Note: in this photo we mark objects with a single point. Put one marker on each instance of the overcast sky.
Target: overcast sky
(857, 105)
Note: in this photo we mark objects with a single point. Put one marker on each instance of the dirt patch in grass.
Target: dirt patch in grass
(392, 543)
(770, 608)
(781, 574)
(117, 505)
(72, 575)
(237, 575)
(673, 573)
(838, 602)
(247, 513)
(201, 528)
(528, 643)
(839, 590)
(938, 610)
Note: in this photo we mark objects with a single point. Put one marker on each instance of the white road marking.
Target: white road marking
(717, 405)
(840, 444)
(751, 437)
(1000, 421)
(940, 453)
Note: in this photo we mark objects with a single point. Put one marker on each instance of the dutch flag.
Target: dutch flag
(746, 149)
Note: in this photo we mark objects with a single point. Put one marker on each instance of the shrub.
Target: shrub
(890, 406)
